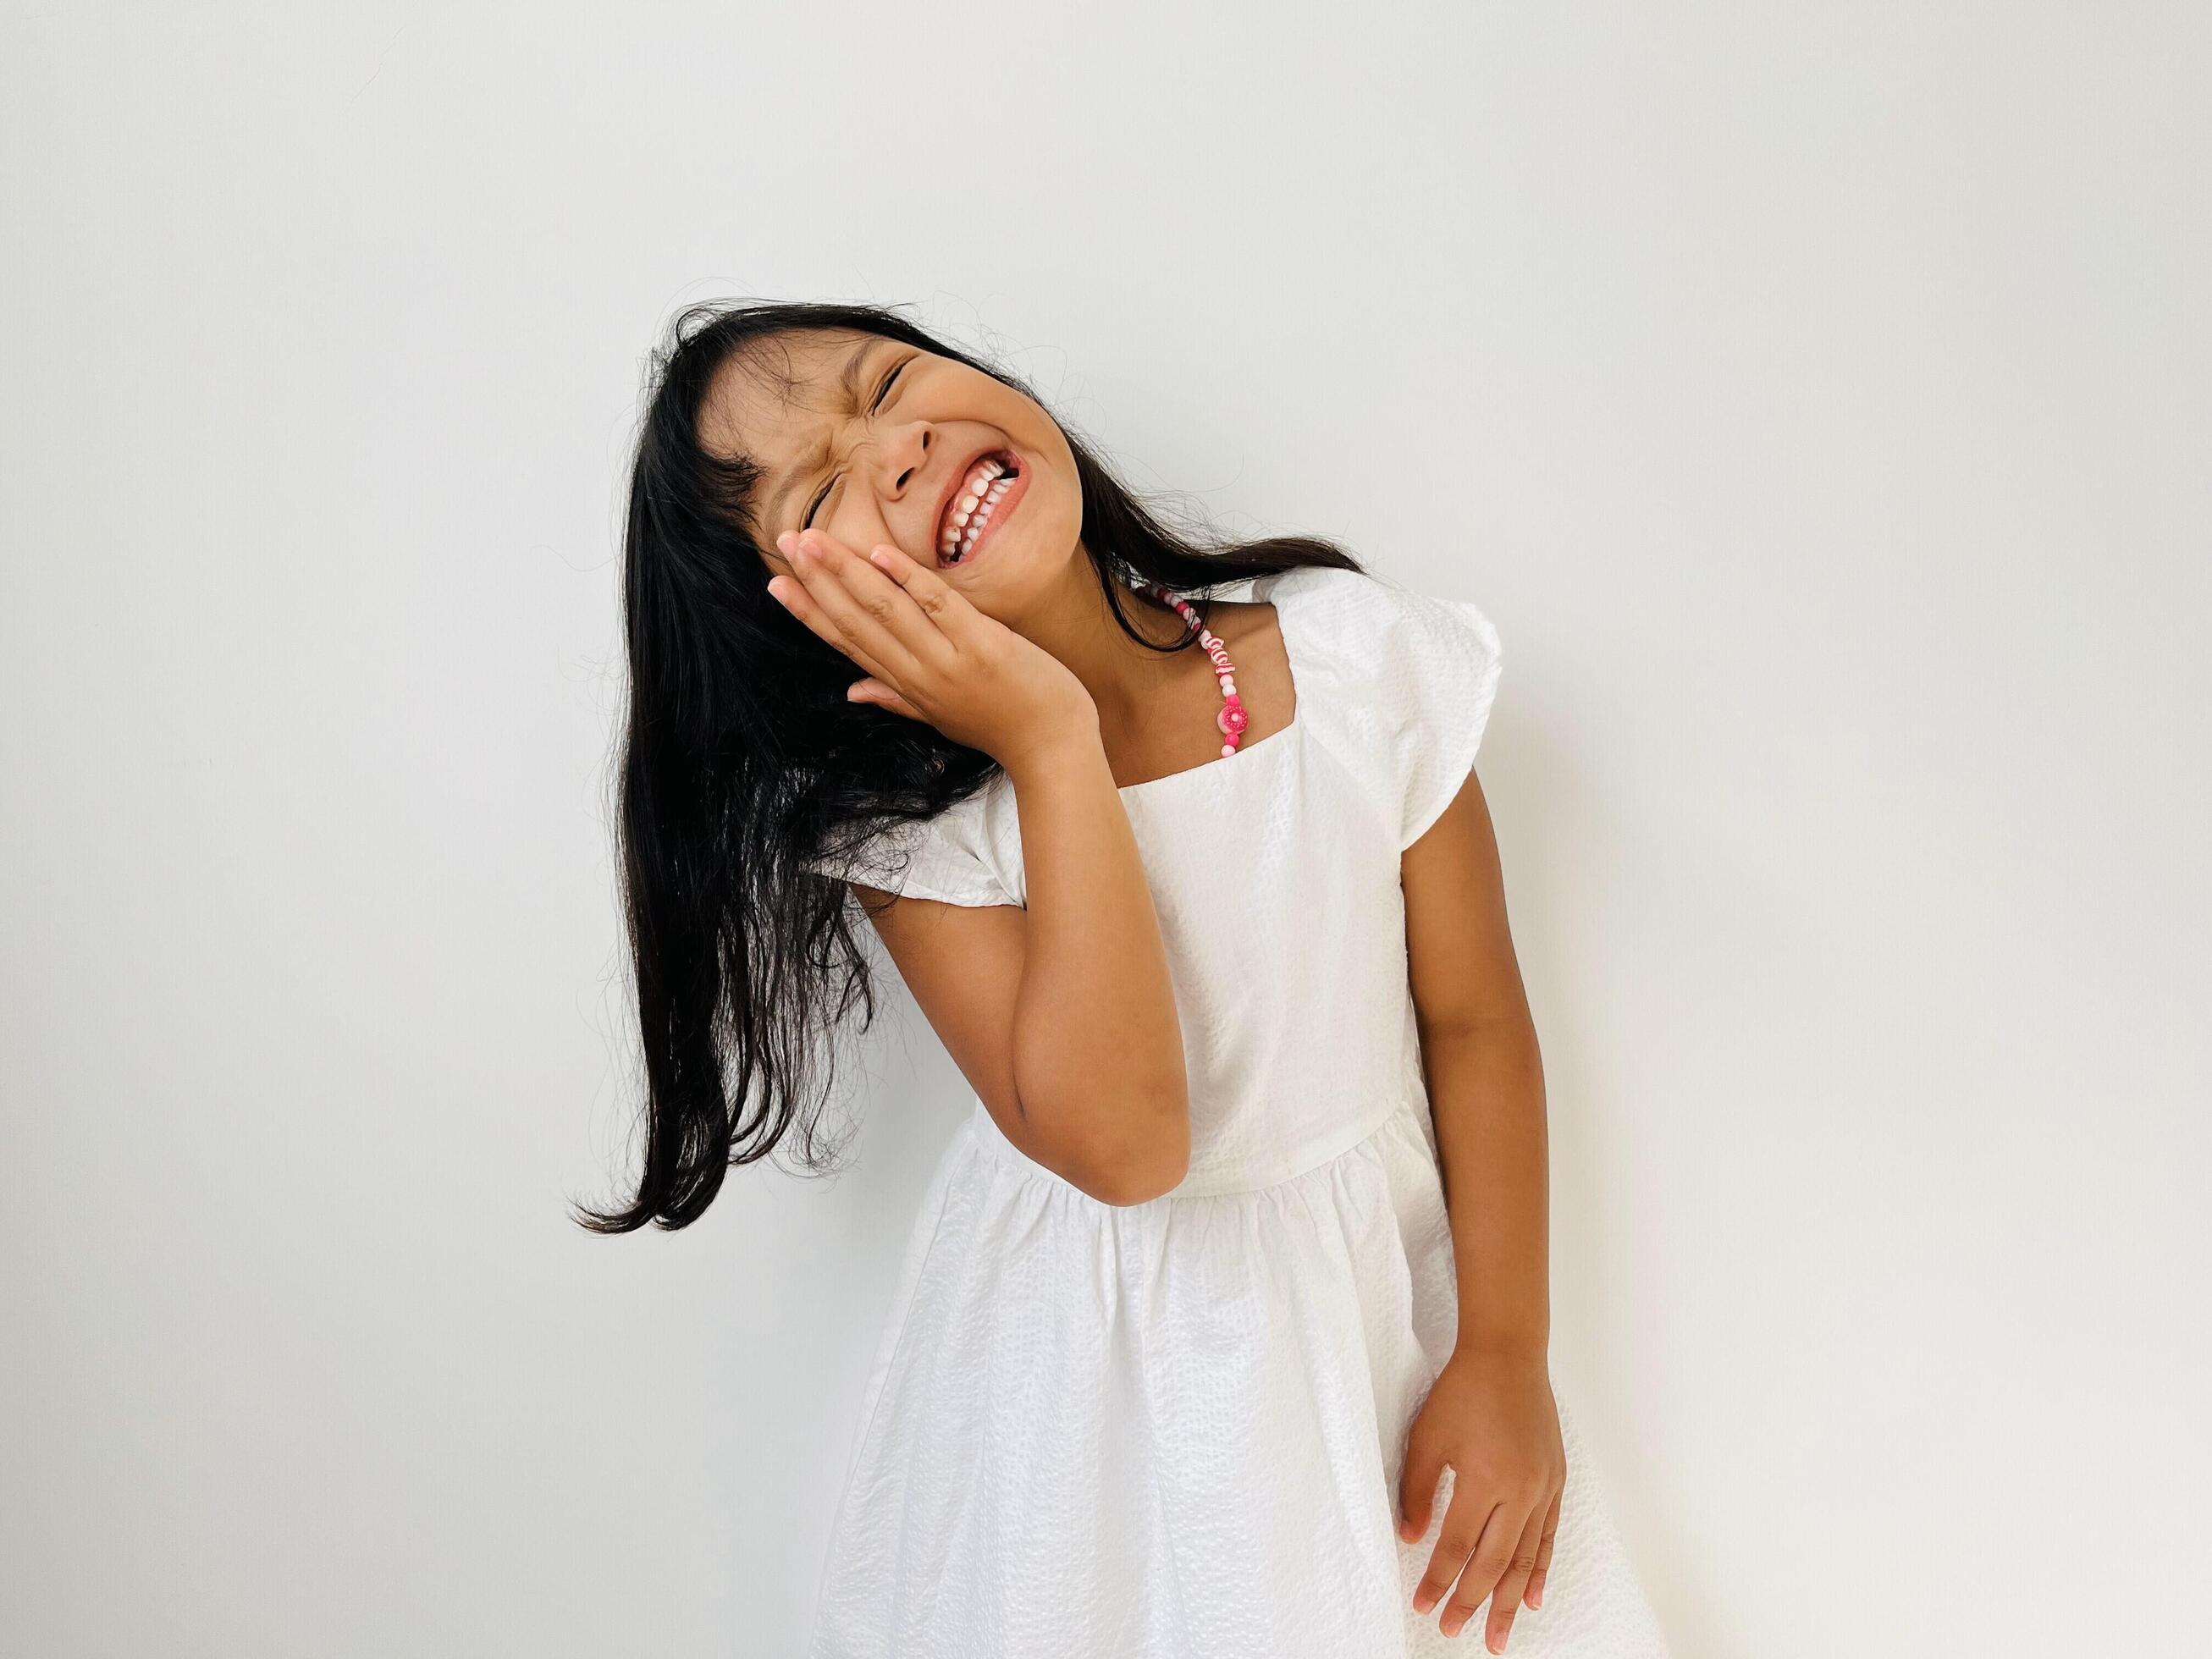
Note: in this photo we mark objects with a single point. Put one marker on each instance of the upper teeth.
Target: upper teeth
(971, 507)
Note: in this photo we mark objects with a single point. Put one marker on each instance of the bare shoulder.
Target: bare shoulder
(1242, 621)
(1251, 631)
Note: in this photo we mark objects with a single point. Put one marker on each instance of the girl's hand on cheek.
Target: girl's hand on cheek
(929, 653)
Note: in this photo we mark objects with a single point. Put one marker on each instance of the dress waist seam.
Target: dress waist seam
(992, 1140)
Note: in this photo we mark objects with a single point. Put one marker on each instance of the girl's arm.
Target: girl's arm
(1061, 1015)
(1491, 1414)
(1485, 1077)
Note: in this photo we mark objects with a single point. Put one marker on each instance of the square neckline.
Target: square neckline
(1262, 589)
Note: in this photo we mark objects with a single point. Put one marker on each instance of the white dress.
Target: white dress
(1174, 1430)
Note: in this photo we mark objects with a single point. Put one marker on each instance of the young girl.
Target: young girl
(1223, 1329)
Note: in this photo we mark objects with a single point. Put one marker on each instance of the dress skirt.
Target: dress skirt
(1174, 1430)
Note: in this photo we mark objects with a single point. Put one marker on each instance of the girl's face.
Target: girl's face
(869, 440)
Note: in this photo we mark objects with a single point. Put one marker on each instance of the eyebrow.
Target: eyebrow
(850, 380)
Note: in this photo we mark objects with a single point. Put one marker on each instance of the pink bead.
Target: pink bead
(1227, 750)
(1232, 719)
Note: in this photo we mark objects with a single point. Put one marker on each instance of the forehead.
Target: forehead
(775, 402)
(768, 399)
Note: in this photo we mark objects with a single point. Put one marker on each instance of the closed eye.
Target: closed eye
(882, 392)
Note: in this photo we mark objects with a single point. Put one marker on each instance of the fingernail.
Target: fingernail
(880, 555)
(783, 541)
(1536, 1597)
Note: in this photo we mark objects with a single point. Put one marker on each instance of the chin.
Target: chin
(1028, 555)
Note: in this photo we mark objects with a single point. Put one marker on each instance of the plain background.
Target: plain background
(1819, 399)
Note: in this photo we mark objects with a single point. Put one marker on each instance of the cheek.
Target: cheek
(1061, 505)
(858, 522)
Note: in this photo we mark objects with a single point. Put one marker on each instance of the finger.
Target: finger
(883, 696)
(793, 595)
(1535, 1596)
(877, 586)
(831, 611)
(1501, 1531)
(1455, 1547)
(942, 603)
(1417, 1493)
(1505, 1599)
(932, 617)
(868, 608)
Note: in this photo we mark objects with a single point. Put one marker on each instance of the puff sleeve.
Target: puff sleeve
(1448, 664)
(941, 858)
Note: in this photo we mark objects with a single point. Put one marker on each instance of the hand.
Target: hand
(930, 654)
(1492, 1417)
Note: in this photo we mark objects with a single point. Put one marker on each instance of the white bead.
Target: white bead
(1228, 749)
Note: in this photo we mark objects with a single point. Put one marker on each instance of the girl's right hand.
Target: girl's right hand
(930, 654)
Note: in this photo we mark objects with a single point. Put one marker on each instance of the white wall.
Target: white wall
(1819, 399)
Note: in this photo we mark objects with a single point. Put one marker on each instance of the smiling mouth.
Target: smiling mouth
(984, 500)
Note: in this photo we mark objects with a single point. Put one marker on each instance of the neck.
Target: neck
(1124, 679)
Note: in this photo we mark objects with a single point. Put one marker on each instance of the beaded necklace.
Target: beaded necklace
(1232, 719)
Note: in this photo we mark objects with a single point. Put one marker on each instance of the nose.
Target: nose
(900, 455)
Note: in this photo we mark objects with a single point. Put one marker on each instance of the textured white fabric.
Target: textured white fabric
(1174, 1430)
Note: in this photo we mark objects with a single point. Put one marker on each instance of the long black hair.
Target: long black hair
(743, 759)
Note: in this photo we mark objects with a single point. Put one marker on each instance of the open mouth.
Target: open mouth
(982, 500)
